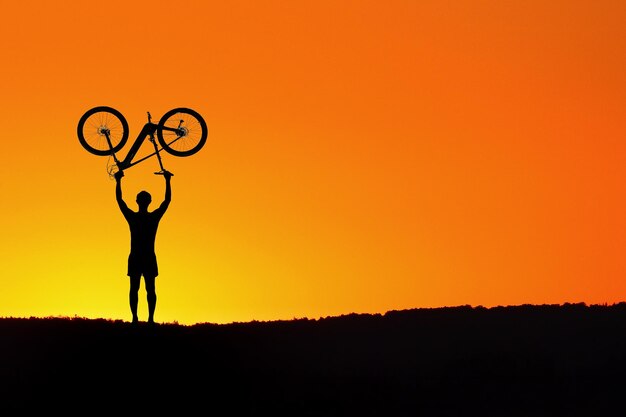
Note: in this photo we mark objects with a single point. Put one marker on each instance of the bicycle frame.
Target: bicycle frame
(148, 130)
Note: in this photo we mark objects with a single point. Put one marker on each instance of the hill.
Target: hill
(547, 360)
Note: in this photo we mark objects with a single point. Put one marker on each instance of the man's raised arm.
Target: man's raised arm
(168, 191)
(118, 192)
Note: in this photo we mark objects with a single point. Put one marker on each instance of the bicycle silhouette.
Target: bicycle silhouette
(104, 131)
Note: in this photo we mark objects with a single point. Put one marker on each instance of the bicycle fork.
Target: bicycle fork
(106, 134)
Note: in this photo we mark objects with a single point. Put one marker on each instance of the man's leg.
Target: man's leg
(133, 296)
(151, 297)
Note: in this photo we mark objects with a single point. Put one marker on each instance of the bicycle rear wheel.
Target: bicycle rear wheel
(185, 131)
(93, 126)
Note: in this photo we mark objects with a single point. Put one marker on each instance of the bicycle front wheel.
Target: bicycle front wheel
(96, 124)
(182, 131)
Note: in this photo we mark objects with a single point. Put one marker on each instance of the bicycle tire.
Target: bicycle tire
(90, 130)
(192, 126)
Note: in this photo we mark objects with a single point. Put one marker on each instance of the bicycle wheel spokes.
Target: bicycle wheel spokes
(96, 128)
(182, 132)
(96, 124)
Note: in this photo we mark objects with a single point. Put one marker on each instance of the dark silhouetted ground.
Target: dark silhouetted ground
(550, 360)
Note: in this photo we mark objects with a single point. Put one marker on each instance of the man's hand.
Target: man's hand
(118, 175)
(167, 175)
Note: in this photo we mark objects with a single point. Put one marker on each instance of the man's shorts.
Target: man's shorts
(142, 264)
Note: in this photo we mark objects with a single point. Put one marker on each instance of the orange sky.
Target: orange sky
(363, 156)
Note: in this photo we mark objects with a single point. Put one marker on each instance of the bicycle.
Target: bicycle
(103, 131)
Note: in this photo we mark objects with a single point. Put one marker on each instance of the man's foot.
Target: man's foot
(135, 320)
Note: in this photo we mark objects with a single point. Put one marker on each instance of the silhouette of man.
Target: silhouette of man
(143, 227)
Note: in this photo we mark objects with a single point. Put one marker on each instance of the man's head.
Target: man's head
(143, 200)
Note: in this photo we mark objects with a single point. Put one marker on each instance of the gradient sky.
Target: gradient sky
(363, 156)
